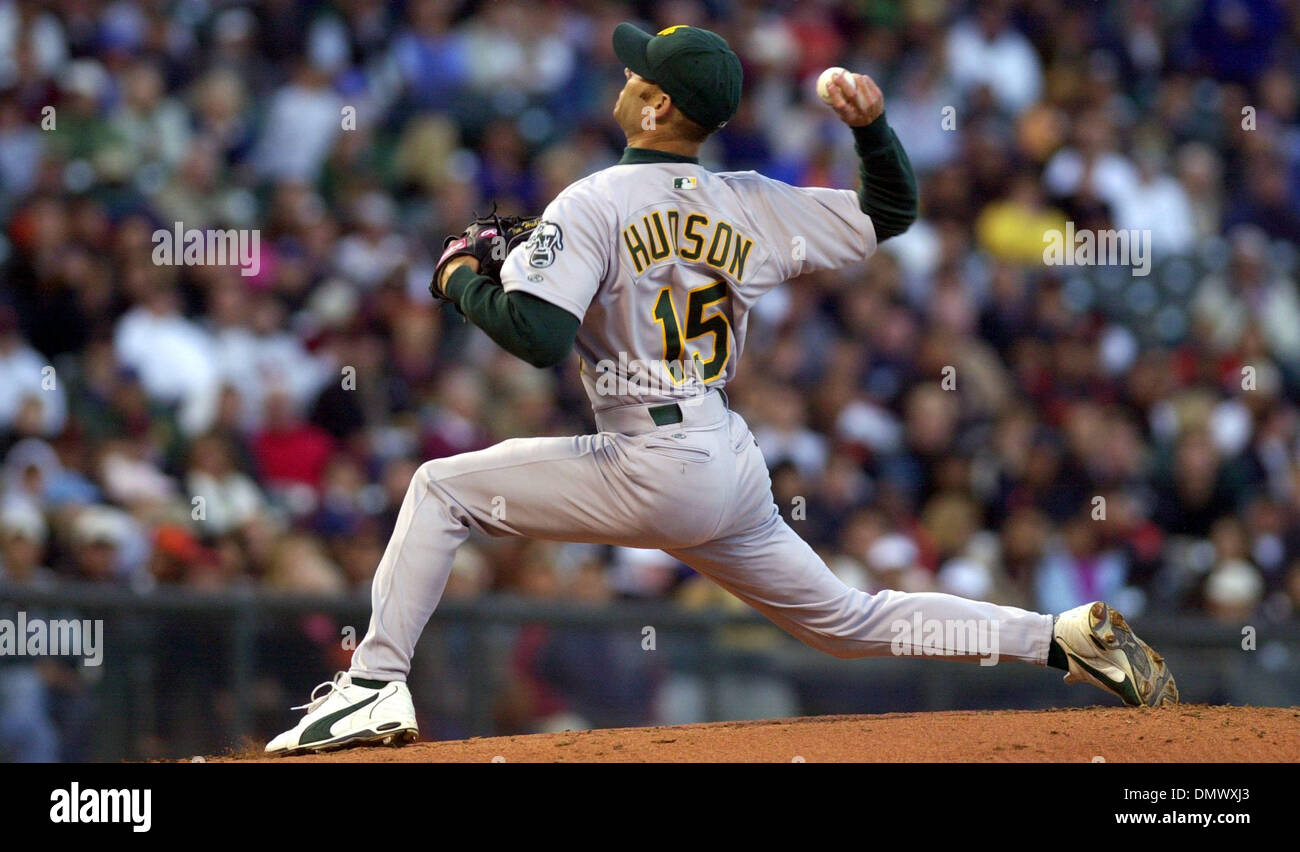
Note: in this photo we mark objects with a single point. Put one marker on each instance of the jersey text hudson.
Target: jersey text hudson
(693, 237)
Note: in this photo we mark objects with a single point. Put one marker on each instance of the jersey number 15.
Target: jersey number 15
(697, 325)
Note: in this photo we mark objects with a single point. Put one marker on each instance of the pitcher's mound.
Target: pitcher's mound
(1195, 733)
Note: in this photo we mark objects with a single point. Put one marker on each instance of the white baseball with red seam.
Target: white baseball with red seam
(824, 82)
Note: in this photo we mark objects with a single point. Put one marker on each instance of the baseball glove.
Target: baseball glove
(488, 239)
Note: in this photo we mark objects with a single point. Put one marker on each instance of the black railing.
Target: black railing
(173, 656)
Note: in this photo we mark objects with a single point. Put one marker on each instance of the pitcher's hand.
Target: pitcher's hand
(856, 99)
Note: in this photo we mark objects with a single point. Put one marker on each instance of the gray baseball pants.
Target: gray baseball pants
(697, 489)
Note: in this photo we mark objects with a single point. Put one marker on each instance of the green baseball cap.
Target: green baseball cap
(696, 67)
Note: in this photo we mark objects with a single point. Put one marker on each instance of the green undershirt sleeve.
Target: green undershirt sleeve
(888, 191)
(522, 324)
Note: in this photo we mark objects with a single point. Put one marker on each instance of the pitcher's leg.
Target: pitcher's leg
(551, 488)
(777, 573)
(409, 580)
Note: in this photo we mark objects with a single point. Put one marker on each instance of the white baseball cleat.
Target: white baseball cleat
(1103, 650)
(348, 714)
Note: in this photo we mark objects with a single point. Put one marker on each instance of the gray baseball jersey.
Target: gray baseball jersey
(662, 262)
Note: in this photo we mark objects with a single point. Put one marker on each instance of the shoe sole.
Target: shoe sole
(395, 739)
(1148, 680)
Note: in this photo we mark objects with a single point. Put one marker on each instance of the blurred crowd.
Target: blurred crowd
(954, 415)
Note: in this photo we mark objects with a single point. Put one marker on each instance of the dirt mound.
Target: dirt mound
(1113, 734)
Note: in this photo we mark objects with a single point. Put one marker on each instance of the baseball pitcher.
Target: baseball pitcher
(649, 269)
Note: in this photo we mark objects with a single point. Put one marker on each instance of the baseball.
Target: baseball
(824, 82)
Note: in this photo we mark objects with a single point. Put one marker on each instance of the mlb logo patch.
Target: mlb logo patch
(684, 183)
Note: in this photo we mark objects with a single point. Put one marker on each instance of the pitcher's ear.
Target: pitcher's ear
(664, 106)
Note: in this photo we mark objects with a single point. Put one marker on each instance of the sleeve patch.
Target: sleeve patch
(544, 245)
